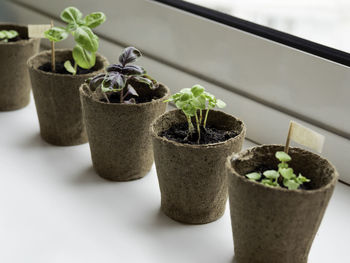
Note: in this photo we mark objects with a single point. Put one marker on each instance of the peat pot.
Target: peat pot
(14, 77)
(277, 225)
(192, 178)
(119, 136)
(57, 98)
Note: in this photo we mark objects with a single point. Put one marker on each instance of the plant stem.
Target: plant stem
(200, 116)
(75, 68)
(121, 96)
(190, 125)
(198, 128)
(106, 97)
(205, 118)
(53, 58)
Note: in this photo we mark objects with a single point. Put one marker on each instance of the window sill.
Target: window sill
(55, 208)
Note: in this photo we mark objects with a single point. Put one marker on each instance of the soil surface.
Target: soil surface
(262, 168)
(210, 134)
(60, 69)
(115, 98)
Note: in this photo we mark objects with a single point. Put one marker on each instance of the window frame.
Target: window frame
(287, 39)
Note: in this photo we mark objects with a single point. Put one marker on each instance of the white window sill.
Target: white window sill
(54, 208)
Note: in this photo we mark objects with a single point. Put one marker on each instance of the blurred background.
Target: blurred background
(326, 22)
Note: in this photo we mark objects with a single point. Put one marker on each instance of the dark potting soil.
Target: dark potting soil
(262, 168)
(60, 69)
(115, 98)
(210, 134)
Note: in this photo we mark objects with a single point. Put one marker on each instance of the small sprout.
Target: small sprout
(286, 175)
(269, 182)
(271, 174)
(84, 52)
(254, 176)
(118, 77)
(6, 35)
(193, 101)
(291, 184)
(282, 156)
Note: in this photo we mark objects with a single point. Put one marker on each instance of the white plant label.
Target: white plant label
(37, 31)
(305, 136)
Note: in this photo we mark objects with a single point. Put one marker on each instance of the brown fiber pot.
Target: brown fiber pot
(192, 178)
(14, 77)
(277, 225)
(57, 99)
(119, 137)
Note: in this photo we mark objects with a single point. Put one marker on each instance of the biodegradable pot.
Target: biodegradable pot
(192, 178)
(277, 225)
(14, 77)
(119, 137)
(57, 99)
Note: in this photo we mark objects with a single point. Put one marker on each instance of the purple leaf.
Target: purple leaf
(145, 81)
(114, 67)
(133, 70)
(96, 81)
(129, 55)
(117, 80)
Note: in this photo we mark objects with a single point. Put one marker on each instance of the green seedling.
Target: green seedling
(193, 102)
(84, 52)
(284, 176)
(6, 35)
(119, 76)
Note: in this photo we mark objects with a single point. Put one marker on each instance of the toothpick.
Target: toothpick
(53, 62)
(286, 147)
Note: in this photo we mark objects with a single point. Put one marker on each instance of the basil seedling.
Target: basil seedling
(193, 101)
(84, 52)
(118, 77)
(284, 175)
(5, 35)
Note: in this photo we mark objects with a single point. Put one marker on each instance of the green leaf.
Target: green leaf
(199, 102)
(291, 184)
(302, 179)
(71, 15)
(271, 174)
(68, 66)
(180, 104)
(269, 182)
(287, 173)
(220, 104)
(282, 156)
(86, 38)
(188, 109)
(185, 97)
(253, 176)
(94, 19)
(83, 57)
(197, 90)
(8, 34)
(56, 34)
(283, 165)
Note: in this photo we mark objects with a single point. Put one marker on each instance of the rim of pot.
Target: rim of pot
(244, 156)
(34, 65)
(162, 86)
(21, 29)
(239, 136)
